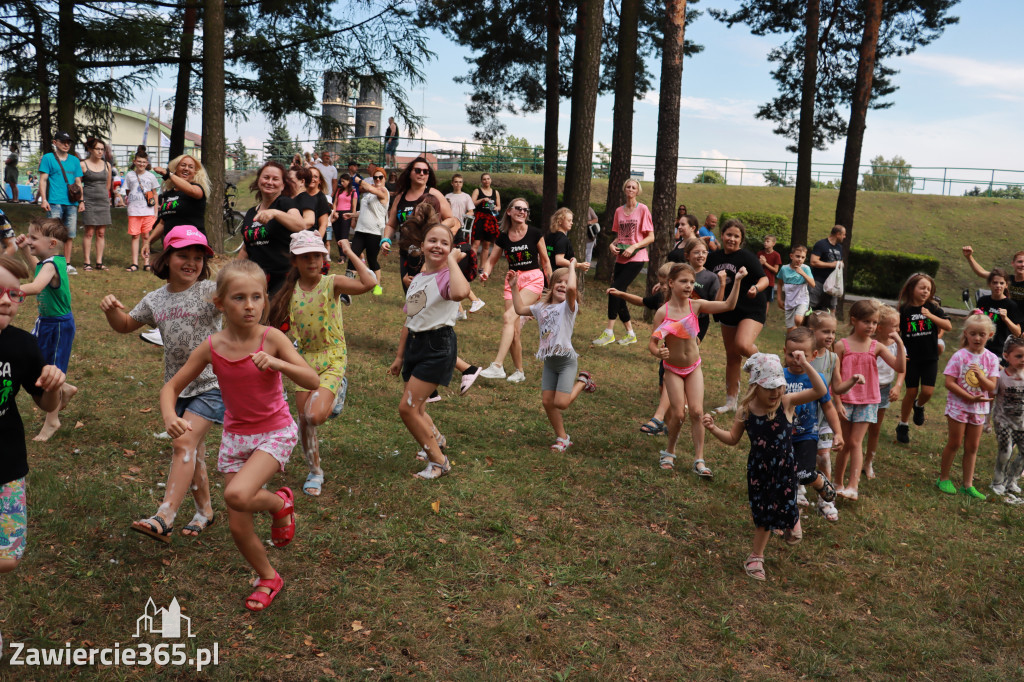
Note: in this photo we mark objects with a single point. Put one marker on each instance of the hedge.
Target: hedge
(875, 273)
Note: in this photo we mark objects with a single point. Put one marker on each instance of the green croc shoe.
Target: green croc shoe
(946, 487)
(971, 491)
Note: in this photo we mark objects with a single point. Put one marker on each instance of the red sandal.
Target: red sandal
(274, 585)
(282, 535)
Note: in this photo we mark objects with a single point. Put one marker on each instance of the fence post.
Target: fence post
(726, 174)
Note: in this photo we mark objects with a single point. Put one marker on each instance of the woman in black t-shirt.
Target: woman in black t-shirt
(741, 326)
(313, 204)
(183, 197)
(527, 254)
(267, 227)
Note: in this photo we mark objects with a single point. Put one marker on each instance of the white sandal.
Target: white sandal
(701, 470)
(561, 444)
(435, 470)
(667, 461)
(828, 510)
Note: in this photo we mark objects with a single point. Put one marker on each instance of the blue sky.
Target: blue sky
(958, 103)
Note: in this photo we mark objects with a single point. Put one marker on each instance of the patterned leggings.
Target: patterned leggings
(13, 520)
(1008, 470)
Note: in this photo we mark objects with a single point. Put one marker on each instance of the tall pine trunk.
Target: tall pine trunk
(67, 70)
(805, 143)
(585, 72)
(622, 130)
(551, 84)
(213, 118)
(666, 158)
(846, 205)
(42, 77)
(181, 90)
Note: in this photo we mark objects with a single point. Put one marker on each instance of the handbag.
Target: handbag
(74, 191)
(833, 285)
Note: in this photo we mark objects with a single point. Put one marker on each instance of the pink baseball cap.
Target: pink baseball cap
(306, 241)
(184, 236)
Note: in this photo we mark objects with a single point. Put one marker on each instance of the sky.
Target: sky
(958, 104)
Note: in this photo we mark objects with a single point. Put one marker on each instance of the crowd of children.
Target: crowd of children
(227, 348)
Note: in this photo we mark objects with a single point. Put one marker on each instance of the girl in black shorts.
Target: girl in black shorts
(920, 321)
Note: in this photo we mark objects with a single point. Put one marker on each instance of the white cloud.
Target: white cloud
(1003, 80)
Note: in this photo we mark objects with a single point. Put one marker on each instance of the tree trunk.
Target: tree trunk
(805, 143)
(181, 90)
(213, 118)
(66, 68)
(585, 72)
(846, 205)
(551, 83)
(42, 77)
(666, 158)
(622, 129)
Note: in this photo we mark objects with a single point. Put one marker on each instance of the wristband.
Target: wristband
(386, 239)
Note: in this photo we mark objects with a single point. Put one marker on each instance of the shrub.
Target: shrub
(760, 225)
(709, 177)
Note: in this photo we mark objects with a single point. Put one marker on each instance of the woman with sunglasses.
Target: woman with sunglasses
(527, 255)
(370, 219)
(416, 184)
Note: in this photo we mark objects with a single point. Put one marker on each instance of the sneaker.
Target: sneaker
(561, 444)
(918, 414)
(606, 338)
(971, 491)
(435, 470)
(377, 290)
(1013, 499)
(730, 406)
(153, 337)
(998, 489)
(946, 486)
(477, 305)
(902, 433)
(493, 371)
(588, 383)
(461, 315)
(163, 435)
(1012, 487)
(517, 377)
(71, 270)
(346, 299)
(801, 497)
(468, 378)
(627, 340)
(435, 397)
(339, 400)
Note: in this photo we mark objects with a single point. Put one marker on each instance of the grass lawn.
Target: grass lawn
(523, 564)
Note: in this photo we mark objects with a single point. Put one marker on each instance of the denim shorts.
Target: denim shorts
(862, 413)
(209, 406)
(883, 389)
(430, 356)
(67, 214)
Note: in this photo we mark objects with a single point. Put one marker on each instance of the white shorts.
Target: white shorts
(791, 314)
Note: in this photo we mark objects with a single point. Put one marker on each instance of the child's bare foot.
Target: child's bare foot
(50, 427)
(67, 392)
(869, 470)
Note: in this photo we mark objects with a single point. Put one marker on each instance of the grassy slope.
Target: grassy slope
(588, 565)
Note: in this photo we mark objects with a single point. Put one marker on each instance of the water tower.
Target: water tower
(368, 110)
(336, 109)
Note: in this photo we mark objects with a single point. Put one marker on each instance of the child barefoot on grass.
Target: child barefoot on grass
(677, 327)
(766, 413)
(971, 376)
(259, 433)
(184, 312)
(560, 384)
(309, 305)
(42, 249)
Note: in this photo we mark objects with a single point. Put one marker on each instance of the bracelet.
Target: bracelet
(386, 239)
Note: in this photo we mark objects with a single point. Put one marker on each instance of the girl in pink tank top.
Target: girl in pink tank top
(259, 433)
(856, 354)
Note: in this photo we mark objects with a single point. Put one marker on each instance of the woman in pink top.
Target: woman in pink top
(857, 355)
(635, 230)
(259, 432)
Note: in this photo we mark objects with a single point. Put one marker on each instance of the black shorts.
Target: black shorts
(770, 293)
(806, 454)
(430, 356)
(921, 372)
(734, 317)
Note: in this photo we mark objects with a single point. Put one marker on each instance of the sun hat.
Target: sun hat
(765, 370)
(183, 236)
(306, 241)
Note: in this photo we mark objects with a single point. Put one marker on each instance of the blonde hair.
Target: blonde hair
(743, 407)
(201, 178)
(15, 267)
(887, 312)
(665, 268)
(236, 269)
(639, 187)
(506, 219)
(556, 277)
(556, 218)
(816, 318)
(977, 319)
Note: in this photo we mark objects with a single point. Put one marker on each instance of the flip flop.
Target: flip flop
(313, 482)
(198, 524)
(148, 527)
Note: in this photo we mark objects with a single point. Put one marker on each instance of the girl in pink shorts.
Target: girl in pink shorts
(259, 432)
(971, 376)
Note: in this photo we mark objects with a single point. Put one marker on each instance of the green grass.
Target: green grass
(589, 565)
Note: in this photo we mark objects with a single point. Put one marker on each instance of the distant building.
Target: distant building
(352, 107)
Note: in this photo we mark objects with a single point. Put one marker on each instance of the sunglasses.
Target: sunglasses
(16, 295)
(378, 177)
(421, 171)
(524, 209)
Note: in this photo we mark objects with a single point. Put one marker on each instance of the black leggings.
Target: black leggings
(371, 244)
(622, 277)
